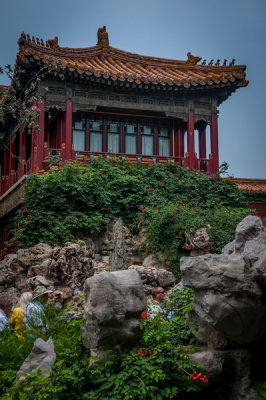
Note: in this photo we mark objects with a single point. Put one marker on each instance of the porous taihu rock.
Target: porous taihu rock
(42, 357)
(114, 301)
(229, 293)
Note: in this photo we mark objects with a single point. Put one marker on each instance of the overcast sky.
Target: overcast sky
(210, 29)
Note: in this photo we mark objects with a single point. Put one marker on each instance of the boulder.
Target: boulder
(42, 357)
(152, 276)
(229, 307)
(114, 301)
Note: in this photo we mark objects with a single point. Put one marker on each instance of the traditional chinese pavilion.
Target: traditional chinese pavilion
(112, 102)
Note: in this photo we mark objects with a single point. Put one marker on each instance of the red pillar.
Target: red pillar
(12, 160)
(22, 151)
(214, 144)
(191, 161)
(37, 145)
(67, 145)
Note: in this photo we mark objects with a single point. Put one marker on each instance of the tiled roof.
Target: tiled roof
(3, 92)
(254, 185)
(104, 61)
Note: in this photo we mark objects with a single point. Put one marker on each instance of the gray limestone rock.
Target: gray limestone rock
(154, 276)
(113, 303)
(229, 307)
(42, 357)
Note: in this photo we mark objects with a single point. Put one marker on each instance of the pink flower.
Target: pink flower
(148, 190)
(34, 107)
(180, 202)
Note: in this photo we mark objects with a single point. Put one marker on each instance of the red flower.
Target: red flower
(195, 376)
(144, 315)
(55, 219)
(143, 210)
(77, 215)
(187, 185)
(204, 379)
(140, 352)
(149, 190)
(100, 173)
(159, 183)
(34, 107)
(180, 202)
(148, 352)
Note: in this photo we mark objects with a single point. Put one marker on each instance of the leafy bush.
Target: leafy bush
(159, 366)
(71, 201)
(168, 225)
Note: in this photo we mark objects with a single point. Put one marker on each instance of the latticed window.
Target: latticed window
(96, 134)
(130, 136)
(79, 134)
(113, 131)
(147, 138)
(164, 139)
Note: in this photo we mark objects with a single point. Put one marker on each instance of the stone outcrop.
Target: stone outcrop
(114, 301)
(152, 277)
(229, 310)
(42, 357)
(229, 288)
(64, 268)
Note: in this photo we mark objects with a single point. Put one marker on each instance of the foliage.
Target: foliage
(18, 107)
(168, 225)
(72, 200)
(159, 366)
(75, 197)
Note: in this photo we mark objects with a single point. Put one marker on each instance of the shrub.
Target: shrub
(159, 367)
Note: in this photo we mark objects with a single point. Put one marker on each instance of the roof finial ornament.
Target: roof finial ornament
(192, 59)
(211, 62)
(203, 62)
(232, 62)
(217, 62)
(102, 37)
(53, 42)
(224, 63)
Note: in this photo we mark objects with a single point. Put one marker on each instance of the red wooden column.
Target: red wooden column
(12, 160)
(37, 145)
(22, 151)
(67, 144)
(190, 157)
(5, 178)
(214, 145)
